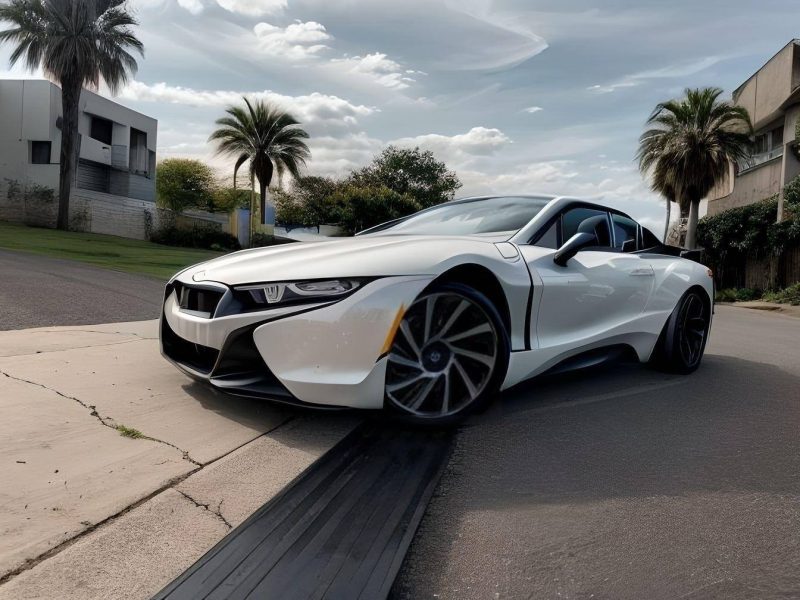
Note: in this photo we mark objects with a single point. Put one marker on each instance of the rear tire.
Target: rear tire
(448, 358)
(683, 340)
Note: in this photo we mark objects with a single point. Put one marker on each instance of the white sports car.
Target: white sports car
(430, 315)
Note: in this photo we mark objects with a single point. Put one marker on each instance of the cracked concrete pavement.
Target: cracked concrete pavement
(80, 503)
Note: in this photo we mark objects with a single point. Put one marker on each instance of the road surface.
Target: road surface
(629, 483)
(38, 291)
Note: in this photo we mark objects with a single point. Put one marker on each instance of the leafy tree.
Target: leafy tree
(269, 138)
(183, 183)
(362, 207)
(411, 172)
(690, 146)
(77, 43)
(227, 199)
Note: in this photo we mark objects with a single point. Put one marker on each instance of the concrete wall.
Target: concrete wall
(26, 113)
(764, 94)
(751, 186)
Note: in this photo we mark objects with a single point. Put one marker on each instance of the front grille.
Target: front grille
(198, 299)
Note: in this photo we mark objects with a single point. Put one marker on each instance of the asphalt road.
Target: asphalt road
(628, 483)
(37, 291)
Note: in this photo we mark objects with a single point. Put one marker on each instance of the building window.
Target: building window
(101, 130)
(40, 153)
(777, 138)
(138, 152)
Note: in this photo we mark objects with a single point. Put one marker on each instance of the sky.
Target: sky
(517, 96)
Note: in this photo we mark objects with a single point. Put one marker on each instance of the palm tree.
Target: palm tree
(690, 146)
(77, 43)
(659, 182)
(269, 138)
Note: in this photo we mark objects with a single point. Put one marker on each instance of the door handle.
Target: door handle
(642, 272)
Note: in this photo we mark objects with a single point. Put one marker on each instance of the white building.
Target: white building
(115, 175)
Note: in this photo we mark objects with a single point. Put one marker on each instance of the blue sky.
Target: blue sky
(516, 96)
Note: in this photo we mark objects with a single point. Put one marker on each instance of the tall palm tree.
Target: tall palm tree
(266, 136)
(77, 43)
(659, 181)
(690, 146)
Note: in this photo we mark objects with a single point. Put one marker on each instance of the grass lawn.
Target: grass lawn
(111, 252)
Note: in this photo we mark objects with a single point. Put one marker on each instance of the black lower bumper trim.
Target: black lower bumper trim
(340, 530)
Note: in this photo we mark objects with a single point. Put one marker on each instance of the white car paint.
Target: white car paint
(332, 353)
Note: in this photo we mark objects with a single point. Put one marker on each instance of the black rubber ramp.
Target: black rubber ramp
(340, 530)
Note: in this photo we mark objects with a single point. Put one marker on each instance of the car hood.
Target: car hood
(361, 256)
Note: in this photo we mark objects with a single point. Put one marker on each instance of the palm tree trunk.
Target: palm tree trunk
(666, 223)
(252, 207)
(70, 97)
(691, 226)
(262, 188)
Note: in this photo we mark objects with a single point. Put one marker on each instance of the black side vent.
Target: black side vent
(197, 299)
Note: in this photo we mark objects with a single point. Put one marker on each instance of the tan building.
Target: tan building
(772, 97)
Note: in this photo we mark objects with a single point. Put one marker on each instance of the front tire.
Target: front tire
(449, 356)
(683, 340)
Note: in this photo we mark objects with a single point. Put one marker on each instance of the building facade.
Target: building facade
(115, 176)
(772, 97)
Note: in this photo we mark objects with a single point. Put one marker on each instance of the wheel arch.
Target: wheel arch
(483, 280)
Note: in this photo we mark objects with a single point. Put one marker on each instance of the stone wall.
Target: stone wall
(93, 212)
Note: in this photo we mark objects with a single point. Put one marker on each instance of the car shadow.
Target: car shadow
(255, 413)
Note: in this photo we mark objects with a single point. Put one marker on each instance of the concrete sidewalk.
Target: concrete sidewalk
(87, 512)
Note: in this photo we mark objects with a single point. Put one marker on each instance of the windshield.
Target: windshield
(469, 217)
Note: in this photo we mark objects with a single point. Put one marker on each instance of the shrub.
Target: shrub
(227, 199)
(201, 236)
(363, 207)
(789, 295)
(737, 295)
(183, 183)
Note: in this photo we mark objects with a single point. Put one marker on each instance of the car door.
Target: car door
(600, 289)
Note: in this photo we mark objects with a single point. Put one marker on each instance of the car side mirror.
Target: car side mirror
(572, 246)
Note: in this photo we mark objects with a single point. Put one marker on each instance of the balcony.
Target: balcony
(95, 150)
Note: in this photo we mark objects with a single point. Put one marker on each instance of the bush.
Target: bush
(227, 199)
(737, 295)
(789, 295)
(363, 207)
(183, 183)
(205, 237)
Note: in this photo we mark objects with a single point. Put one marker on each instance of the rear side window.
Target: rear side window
(625, 230)
(572, 219)
(649, 240)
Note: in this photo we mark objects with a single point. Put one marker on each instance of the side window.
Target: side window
(624, 233)
(571, 220)
(649, 240)
(549, 239)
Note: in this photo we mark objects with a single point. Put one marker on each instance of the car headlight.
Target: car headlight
(264, 294)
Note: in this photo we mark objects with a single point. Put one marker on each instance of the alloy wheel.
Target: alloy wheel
(692, 329)
(443, 356)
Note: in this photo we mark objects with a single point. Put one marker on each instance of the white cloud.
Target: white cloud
(314, 109)
(533, 109)
(380, 68)
(193, 6)
(297, 41)
(683, 69)
(253, 8)
(459, 149)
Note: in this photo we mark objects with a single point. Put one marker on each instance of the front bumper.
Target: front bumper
(326, 355)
